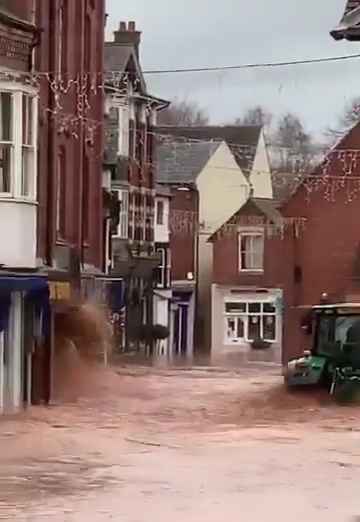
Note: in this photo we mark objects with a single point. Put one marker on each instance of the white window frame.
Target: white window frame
(160, 202)
(18, 91)
(123, 130)
(252, 233)
(245, 316)
(122, 231)
(162, 267)
(168, 268)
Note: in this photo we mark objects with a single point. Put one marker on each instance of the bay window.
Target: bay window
(18, 125)
(248, 321)
(6, 141)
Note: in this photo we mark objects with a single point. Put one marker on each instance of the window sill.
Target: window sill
(23, 200)
(61, 242)
(251, 271)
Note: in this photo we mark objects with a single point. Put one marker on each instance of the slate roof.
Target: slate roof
(242, 140)
(269, 208)
(116, 57)
(179, 162)
(349, 26)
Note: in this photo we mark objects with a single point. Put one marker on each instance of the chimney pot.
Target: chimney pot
(132, 26)
(122, 26)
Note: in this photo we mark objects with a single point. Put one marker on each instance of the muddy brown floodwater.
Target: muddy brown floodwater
(205, 444)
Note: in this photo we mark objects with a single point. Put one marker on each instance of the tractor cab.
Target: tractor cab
(335, 353)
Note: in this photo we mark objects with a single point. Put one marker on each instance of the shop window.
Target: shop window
(247, 321)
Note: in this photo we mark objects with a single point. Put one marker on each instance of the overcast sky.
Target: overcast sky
(191, 33)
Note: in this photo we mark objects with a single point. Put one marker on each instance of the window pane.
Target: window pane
(231, 328)
(235, 308)
(254, 308)
(254, 327)
(240, 328)
(258, 247)
(5, 168)
(269, 308)
(27, 116)
(27, 171)
(6, 116)
(160, 213)
(246, 252)
(269, 327)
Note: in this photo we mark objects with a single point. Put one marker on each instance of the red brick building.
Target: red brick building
(69, 59)
(315, 254)
(248, 282)
(184, 216)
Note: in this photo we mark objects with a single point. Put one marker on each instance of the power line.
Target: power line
(253, 65)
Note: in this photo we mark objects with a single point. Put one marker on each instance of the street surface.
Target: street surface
(182, 445)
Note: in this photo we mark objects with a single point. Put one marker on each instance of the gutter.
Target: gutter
(12, 20)
(349, 27)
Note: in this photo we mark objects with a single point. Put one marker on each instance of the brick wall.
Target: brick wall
(184, 216)
(22, 9)
(82, 44)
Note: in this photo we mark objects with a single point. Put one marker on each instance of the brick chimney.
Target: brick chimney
(128, 35)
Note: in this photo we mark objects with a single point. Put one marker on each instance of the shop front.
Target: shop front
(24, 329)
(247, 322)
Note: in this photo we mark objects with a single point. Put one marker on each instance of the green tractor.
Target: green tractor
(334, 360)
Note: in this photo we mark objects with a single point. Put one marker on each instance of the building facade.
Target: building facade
(23, 290)
(184, 248)
(224, 164)
(70, 234)
(312, 257)
(162, 293)
(247, 290)
(131, 114)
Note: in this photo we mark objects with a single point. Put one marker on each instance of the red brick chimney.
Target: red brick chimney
(128, 35)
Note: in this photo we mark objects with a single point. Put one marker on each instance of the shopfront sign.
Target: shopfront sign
(60, 290)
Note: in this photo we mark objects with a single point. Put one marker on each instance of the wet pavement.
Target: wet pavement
(196, 445)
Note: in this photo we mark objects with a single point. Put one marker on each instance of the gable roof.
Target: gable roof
(254, 207)
(117, 58)
(242, 140)
(335, 161)
(179, 162)
(349, 26)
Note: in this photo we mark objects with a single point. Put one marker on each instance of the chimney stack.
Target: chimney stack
(128, 35)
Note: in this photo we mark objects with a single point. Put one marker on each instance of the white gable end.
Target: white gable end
(223, 188)
(260, 177)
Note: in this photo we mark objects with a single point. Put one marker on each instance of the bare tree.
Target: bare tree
(184, 113)
(349, 118)
(293, 154)
(293, 143)
(257, 115)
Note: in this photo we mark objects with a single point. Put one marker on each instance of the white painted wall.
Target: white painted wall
(260, 177)
(18, 221)
(162, 232)
(219, 348)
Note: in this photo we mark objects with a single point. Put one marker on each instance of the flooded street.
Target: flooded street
(201, 444)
